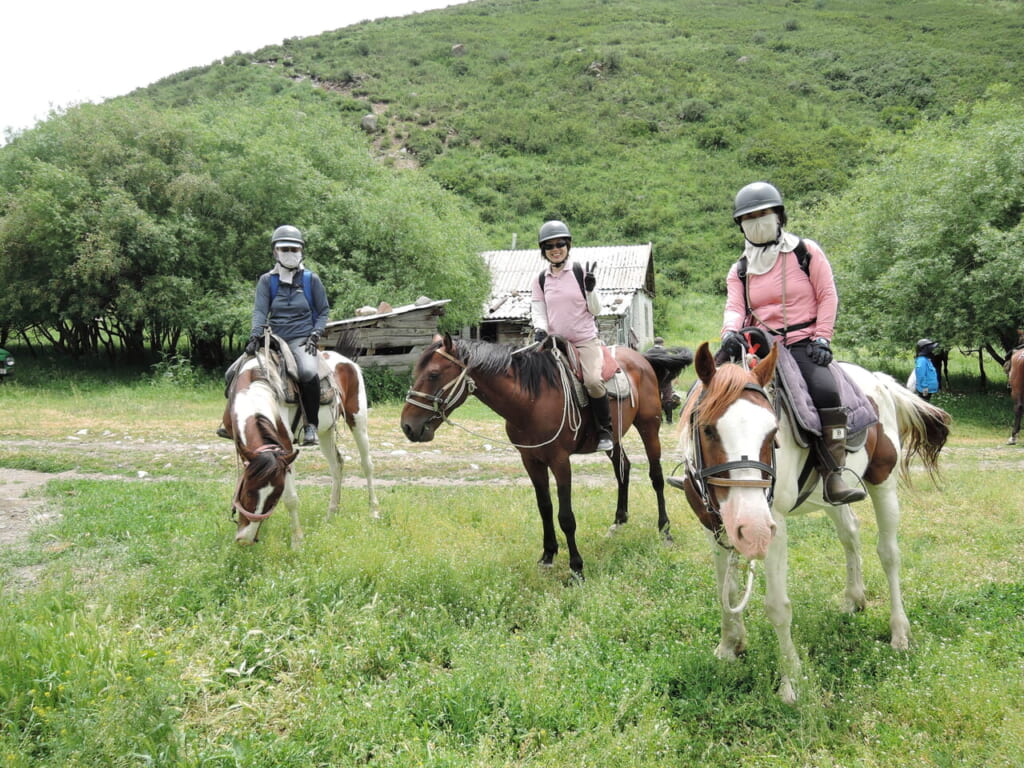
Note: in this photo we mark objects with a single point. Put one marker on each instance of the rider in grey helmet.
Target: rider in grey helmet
(566, 303)
(783, 285)
(297, 320)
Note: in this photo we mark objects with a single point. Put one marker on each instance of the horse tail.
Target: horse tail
(923, 427)
(668, 363)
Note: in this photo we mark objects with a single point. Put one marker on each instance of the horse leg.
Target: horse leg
(291, 500)
(621, 466)
(1018, 410)
(887, 514)
(360, 433)
(780, 610)
(847, 526)
(650, 434)
(733, 640)
(335, 465)
(562, 471)
(538, 473)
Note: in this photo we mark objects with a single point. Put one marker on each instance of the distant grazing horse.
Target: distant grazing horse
(542, 419)
(1016, 391)
(262, 424)
(746, 471)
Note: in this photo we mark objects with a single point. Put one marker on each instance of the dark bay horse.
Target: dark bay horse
(1016, 391)
(262, 422)
(527, 388)
(747, 471)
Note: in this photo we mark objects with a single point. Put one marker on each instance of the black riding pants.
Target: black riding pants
(821, 384)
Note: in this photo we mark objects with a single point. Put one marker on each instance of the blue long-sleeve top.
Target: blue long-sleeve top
(290, 315)
(927, 376)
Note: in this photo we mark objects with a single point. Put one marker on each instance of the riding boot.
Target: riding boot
(601, 411)
(832, 458)
(310, 397)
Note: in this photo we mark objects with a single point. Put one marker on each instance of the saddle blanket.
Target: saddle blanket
(800, 408)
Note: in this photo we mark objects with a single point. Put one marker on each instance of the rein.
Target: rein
(236, 505)
(463, 386)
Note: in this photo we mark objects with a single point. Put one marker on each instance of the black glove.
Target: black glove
(732, 349)
(539, 334)
(820, 352)
(253, 344)
(312, 343)
(589, 281)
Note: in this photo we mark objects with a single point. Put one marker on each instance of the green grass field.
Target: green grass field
(134, 632)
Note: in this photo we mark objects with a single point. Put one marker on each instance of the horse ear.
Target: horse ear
(449, 345)
(291, 457)
(765, 369)
(704, 363)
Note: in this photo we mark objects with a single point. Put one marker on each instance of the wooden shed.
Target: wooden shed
(625, 285)
(390, 337)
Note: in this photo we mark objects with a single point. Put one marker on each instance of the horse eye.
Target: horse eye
(709, 432)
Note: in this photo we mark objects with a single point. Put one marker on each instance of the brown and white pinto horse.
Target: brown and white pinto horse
(259, 419)
(528, 389)
(1016, 391)
(743, 478)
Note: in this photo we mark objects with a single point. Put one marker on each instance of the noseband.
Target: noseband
(704, 478)
(236, 504)
(441, 402)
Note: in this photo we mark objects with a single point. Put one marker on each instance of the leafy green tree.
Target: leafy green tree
(127, 229)
(931, 242)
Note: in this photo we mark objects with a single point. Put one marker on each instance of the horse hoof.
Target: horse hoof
(1012, 441)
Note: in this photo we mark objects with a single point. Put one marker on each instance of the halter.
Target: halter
(439, 404)
(701, 477)
(236, 505)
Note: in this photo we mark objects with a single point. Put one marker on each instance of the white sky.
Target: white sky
(58, 53)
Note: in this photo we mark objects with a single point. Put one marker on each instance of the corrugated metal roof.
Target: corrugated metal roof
(622, 270)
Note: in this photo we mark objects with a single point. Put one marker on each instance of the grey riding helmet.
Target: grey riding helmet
(549, 230)
(926, 346)
(758, 196)
(287, 234)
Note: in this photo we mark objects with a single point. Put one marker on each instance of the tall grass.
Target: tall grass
(134, 632)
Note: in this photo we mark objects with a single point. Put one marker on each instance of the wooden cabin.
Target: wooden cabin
(390, 337)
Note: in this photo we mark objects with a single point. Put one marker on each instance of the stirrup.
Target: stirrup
(604, 442)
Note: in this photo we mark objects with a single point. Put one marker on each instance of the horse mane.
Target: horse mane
(711, 402)
(529, 367)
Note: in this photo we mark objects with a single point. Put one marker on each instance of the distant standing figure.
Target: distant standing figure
(926, 378)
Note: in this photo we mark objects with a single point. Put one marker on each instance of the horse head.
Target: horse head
(263, 481)
(729, 429)
(441, 385)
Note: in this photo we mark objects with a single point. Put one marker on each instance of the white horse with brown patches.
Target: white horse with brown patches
(259, 419)
(746, 471)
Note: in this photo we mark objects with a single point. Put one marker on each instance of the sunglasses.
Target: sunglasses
(550, 246)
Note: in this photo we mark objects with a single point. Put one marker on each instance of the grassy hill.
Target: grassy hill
(635, 120)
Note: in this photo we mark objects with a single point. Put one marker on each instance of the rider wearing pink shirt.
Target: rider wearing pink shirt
(564, 307)
(797, 308)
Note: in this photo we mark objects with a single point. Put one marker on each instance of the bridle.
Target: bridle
(705, 479)
(236, 504)
(443, 401)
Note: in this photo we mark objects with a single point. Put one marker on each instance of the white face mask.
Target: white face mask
(762, 230)
(290, 259)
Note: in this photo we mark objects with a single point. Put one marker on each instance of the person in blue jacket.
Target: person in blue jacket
(297, 319)
(926, 377)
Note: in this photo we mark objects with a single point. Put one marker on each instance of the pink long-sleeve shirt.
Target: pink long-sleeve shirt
(807, 297)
